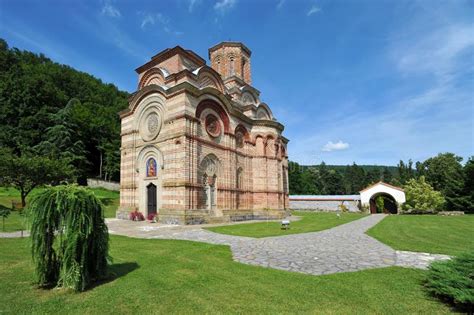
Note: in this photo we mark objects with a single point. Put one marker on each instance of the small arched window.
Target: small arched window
(217, 63)
(231, 65)
(244, 61)
(239, 178)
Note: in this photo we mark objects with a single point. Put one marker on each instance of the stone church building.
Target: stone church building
(198, 145)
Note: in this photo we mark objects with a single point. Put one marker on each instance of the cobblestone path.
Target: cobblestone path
(340, 249)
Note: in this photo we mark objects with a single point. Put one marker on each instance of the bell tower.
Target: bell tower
(232, 61)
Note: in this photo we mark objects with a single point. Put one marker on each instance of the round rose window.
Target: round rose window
(213, 126)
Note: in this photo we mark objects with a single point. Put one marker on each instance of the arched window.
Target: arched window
(239, 178)
(244, 61)
(217, 63)
(209, 168)
(231, 65)
(151, 167)
(285, 180)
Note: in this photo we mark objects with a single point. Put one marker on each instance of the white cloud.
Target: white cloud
(223, 6)
(150, 19)
(109, 10)
(436, 53)
(313, 10)
(338, 146)
(191, 5)
(280, 4)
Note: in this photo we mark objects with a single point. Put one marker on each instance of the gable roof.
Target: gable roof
(384, 184)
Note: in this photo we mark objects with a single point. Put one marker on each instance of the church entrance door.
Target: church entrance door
(151, 198)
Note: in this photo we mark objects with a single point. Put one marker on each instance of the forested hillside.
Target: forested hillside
(55, 111)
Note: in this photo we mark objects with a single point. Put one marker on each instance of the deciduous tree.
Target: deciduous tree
(27, 172)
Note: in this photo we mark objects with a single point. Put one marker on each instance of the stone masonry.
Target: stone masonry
(198, 145)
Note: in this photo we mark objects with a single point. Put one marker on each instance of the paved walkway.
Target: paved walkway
(340, 249)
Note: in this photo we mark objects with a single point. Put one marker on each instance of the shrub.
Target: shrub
(364, 208)
(136, 216)
(70, 240)
(380, 204)
(420, 196)
(453, 281)
(151, 216)
(343, 208)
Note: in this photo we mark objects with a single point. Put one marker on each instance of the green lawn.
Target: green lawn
(169, 277)
(427, 233)
(16, 222)
(310, 222)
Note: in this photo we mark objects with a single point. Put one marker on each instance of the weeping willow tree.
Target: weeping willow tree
(69, 237)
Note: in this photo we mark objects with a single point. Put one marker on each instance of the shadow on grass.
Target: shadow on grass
(107, 201)
(115, 271)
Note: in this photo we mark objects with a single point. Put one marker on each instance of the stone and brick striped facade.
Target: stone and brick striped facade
(200, 138)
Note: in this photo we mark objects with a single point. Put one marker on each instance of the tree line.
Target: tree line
(444, 172)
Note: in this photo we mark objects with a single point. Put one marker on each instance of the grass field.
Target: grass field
(449, 235)
(310, 222)
(17, 222)
(169, 277)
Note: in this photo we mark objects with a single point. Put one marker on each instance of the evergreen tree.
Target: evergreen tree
(445, 173)
(387, 175)
(294, 178)
(468, 190)
(372, 176)
(53, 110)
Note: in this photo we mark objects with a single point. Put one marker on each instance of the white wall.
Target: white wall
(97, 183)
(397, 194)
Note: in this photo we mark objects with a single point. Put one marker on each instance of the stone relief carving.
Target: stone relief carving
(213, 126)
(150, 125)
(153, 122)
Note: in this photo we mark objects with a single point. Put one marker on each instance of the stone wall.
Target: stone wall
(324, 205)
(97, 183)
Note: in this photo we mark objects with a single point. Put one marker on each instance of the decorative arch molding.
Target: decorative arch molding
(264, 112)
(144, 93)
(241, 128)
(209, 167)
(147, 152)
(271, 146)
(150, 114)
(153, 76)
(264, 136)
(249, 93)
(248, 98)
(216, 107)
(208, 77)
(241, 136)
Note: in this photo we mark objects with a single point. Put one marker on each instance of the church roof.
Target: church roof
(169, 52)
(230, 44)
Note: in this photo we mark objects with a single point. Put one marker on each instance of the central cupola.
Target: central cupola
(232, 61)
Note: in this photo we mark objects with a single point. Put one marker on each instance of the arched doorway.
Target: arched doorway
(151, 199)
(389, 204)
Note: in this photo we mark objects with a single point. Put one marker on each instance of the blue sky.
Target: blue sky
(355, 80)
